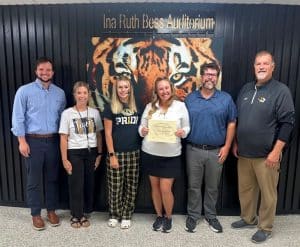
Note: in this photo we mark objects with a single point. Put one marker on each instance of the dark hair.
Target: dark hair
(206, 66)
(43, 60)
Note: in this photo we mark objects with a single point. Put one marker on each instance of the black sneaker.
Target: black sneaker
(157, 225)
(261, 236)
(167, 225)
(190, 224)
(214, 225)
(240, 224)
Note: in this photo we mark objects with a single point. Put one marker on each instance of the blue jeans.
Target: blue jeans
(42, 165)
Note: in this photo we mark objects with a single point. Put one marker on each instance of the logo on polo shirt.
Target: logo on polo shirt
(261, 99)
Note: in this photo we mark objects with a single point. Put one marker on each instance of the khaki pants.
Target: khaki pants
(255, 177)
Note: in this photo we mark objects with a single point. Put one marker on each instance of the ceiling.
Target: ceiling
(22, 2)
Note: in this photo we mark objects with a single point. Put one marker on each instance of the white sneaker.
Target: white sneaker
(112, 222)
(125, 224)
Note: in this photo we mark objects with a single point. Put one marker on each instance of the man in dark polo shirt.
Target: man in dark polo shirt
(213, 119)
(266, 117)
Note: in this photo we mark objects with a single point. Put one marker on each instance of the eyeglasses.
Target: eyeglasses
(210, 74)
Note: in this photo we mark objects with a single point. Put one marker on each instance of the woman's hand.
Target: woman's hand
(145, 131)
(97, 161)
(68, 166)
(113, 161)
(180, 133)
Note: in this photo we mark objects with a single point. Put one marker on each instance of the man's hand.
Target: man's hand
(24, 147)
(273, 159)
(223, 154)
(235, 149)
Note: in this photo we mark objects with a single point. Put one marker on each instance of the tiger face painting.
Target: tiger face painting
(145, 59)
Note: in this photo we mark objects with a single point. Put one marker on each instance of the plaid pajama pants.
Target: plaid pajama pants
(122, 185)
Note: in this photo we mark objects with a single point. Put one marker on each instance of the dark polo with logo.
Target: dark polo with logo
(262, 111)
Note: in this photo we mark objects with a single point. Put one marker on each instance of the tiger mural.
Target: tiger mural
(145, 59)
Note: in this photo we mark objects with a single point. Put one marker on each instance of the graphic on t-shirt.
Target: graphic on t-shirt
(127, 117)
(84, 125)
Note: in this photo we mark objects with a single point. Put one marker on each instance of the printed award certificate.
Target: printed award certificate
(162, 131)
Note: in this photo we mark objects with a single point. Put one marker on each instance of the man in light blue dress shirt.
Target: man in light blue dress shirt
(35, 121)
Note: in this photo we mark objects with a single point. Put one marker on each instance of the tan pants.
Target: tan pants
(254, 177)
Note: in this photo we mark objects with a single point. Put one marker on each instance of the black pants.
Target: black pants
(81, 181)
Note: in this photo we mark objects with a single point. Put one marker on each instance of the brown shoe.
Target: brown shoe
(38, 223)
(84, 222)
(53, 218)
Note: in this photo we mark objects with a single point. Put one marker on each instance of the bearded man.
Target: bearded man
(212, 118)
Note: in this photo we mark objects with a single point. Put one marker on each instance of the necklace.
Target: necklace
(85, 125)
(162, 112)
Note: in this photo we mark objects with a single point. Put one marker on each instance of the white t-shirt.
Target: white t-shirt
(81, 127)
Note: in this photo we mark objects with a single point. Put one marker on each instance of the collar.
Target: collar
(158, 106)
(40, 84)
(214, 95)
(265, 85)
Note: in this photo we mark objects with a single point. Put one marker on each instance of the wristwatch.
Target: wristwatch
(110, 154)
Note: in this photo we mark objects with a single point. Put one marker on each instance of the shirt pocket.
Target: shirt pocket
(34, 104)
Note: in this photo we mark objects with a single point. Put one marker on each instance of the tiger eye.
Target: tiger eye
(177, 77)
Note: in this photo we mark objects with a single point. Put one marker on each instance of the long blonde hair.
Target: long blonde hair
(156, 99)
(116, 104)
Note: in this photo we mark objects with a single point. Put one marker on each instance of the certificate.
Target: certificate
(162, 130)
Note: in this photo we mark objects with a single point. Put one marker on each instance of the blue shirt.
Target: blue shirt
(209, 117)
(37, 110)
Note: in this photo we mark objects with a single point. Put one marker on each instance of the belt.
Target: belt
(204, 147)
(42, 135)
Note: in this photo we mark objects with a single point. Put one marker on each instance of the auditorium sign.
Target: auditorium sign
(203, 23)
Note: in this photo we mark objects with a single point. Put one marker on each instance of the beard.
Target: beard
(44, 81)
(261, 76)
(208, 85)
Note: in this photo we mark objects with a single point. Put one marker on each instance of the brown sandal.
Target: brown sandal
(84, 222)
(75, 222)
